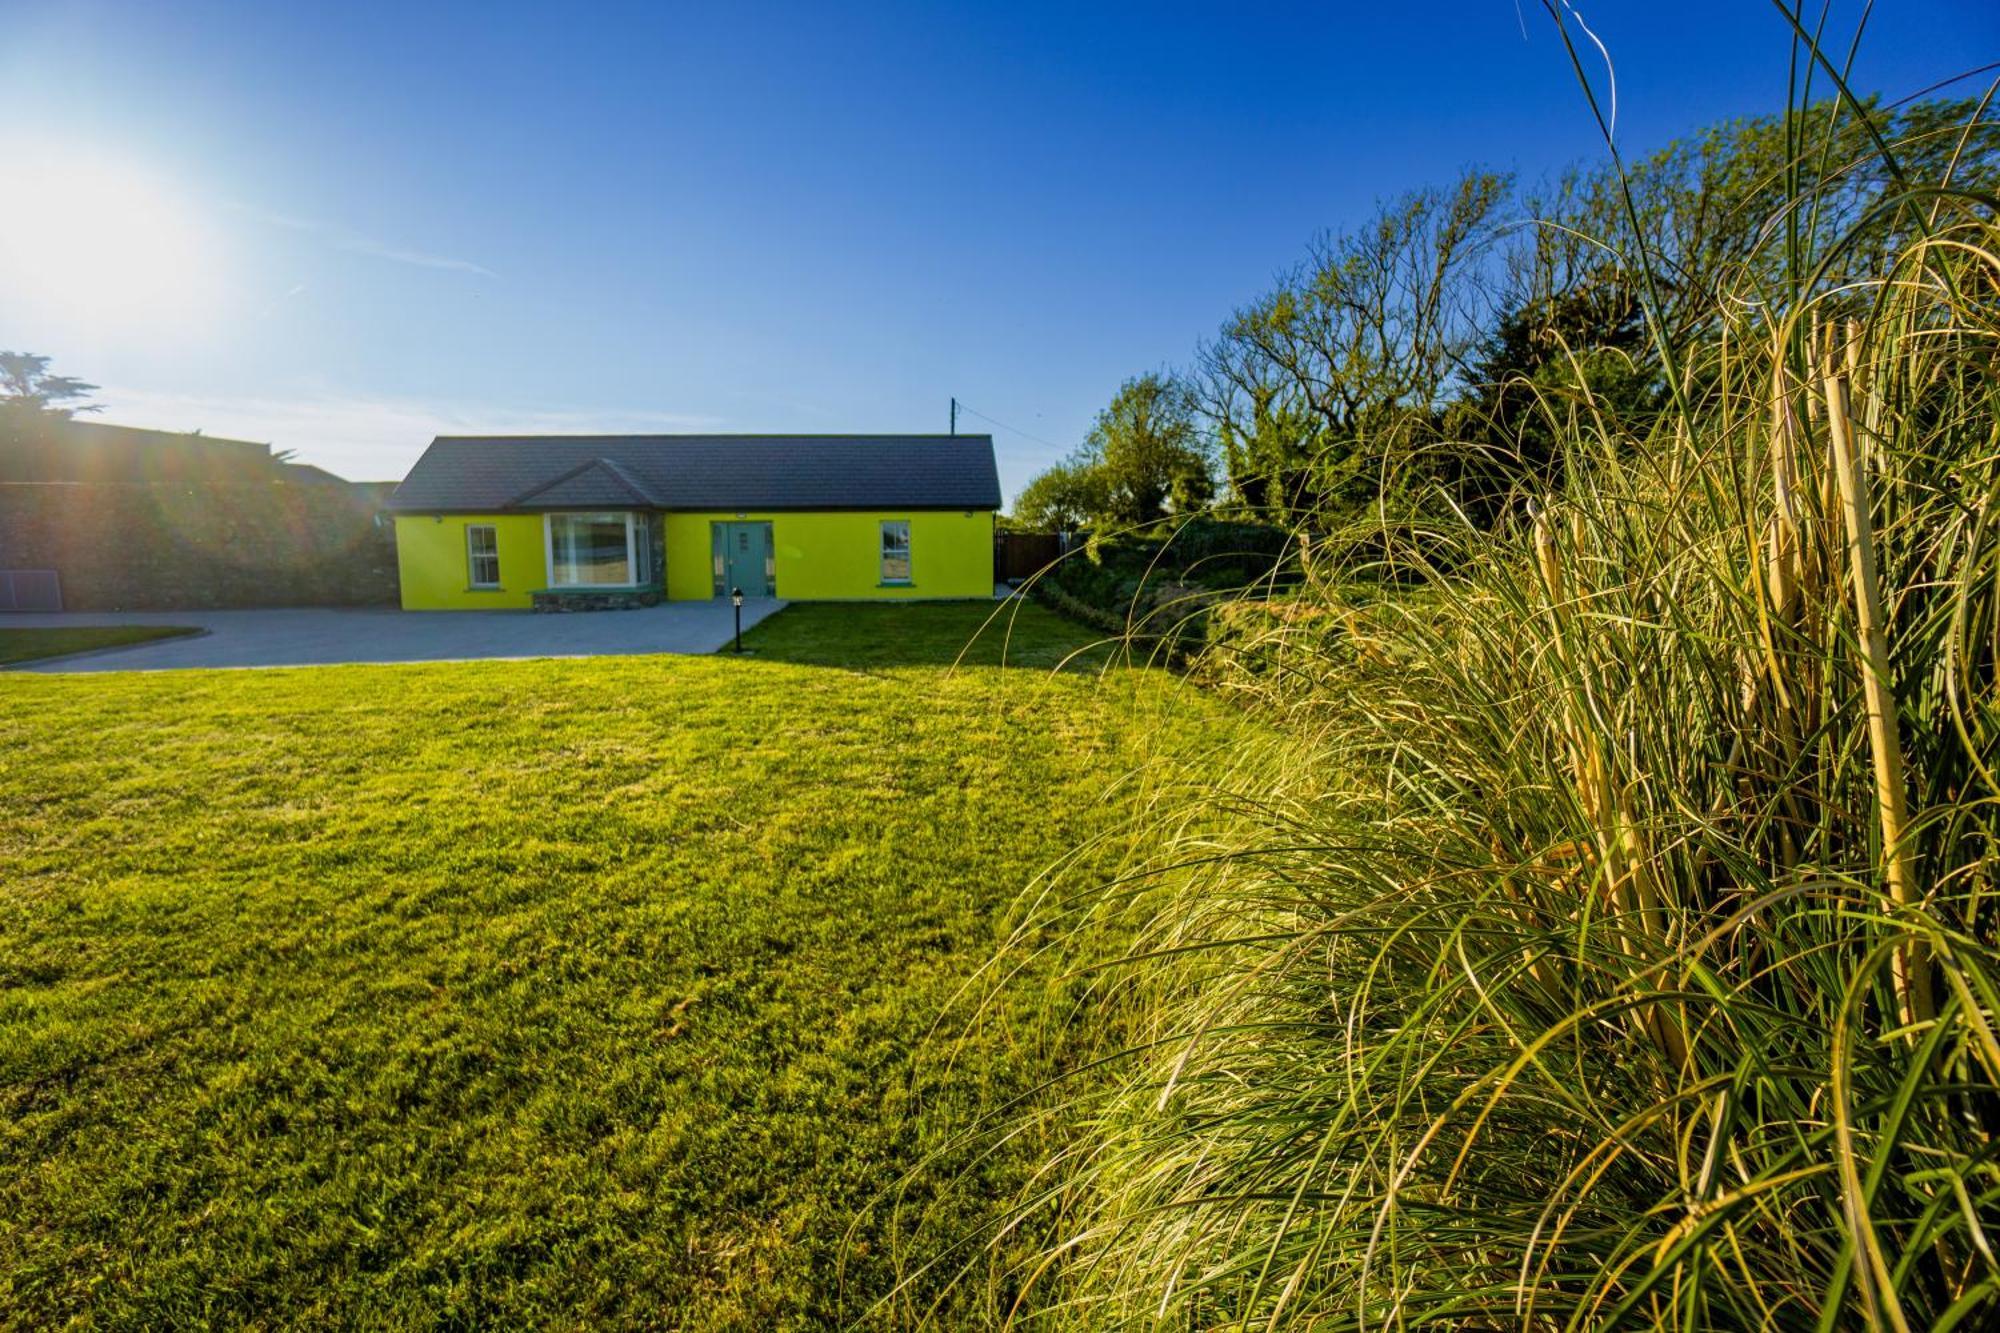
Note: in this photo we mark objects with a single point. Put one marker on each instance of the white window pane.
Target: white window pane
(482, 552)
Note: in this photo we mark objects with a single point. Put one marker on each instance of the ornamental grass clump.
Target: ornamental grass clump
(1605, 934)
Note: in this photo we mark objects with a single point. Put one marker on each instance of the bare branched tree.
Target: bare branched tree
(1370, 332)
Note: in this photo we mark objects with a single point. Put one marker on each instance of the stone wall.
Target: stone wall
(594, 599)
(137, 546)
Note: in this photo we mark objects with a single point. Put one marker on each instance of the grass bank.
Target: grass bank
(549, 993)
(29, 645)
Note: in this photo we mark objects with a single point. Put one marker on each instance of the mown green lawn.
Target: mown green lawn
(27, 645)
(561, 993)
(938, 634)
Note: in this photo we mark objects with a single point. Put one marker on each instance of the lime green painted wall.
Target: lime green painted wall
(430, 559)
(819, 556)
(838, 556)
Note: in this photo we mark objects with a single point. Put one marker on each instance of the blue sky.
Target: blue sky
(343, 228)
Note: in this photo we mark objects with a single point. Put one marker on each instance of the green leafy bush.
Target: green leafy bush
(1158, 584)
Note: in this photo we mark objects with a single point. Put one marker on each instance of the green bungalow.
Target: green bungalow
(490, 522)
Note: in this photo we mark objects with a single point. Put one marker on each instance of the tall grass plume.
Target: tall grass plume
(1604, 934)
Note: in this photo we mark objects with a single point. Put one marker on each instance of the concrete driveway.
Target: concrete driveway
(318, 637)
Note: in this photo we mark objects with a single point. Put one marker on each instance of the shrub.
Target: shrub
(1606, 935)
(1157, 584)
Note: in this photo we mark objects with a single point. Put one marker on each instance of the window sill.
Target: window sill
(897, 583)
(484, 587)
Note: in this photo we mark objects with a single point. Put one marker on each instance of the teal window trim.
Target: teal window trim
(585, 589)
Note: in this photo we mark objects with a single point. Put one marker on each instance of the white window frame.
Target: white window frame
(635, 561)
(882, 554)
(472, 557)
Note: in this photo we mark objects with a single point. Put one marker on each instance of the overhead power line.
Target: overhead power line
(995, 421)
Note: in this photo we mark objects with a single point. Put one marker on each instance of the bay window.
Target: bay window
(605, 549)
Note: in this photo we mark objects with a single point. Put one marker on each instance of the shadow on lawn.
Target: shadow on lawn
(1016, 633)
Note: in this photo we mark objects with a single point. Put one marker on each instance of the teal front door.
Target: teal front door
(743, 558)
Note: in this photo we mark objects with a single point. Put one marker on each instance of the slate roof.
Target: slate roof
(497, 473)
(598, 484)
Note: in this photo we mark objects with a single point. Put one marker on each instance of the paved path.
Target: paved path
(318, 637)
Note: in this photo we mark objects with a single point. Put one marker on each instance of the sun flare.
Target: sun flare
(100, 247)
